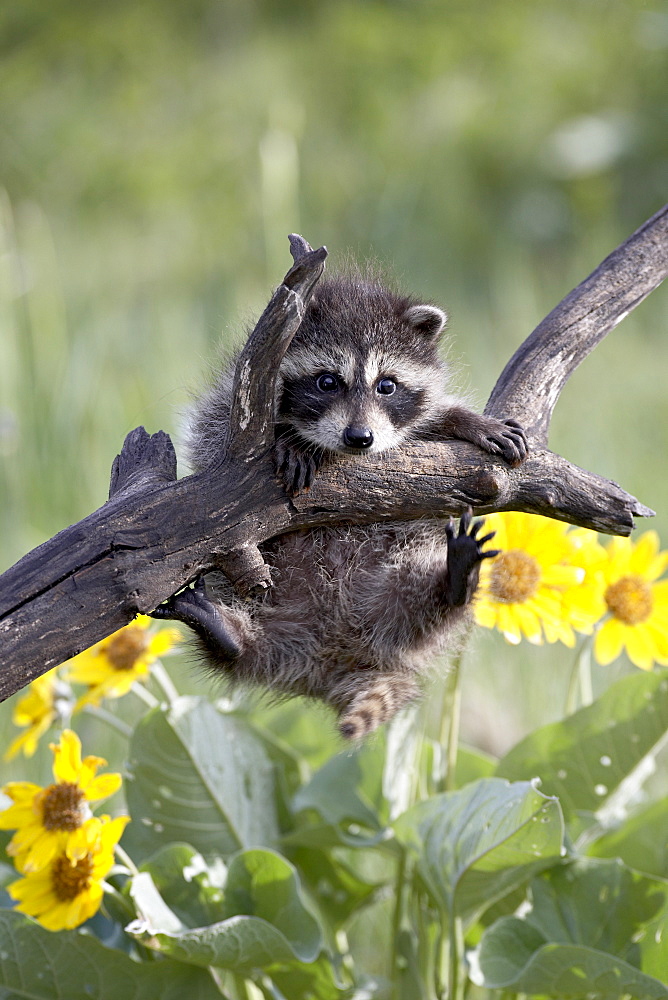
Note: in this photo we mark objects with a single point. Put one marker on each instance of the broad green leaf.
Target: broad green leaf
(475, 845)
(316, 981)
(473, 764)
(307, 728)
(559, 970)
(291, 772)
(266, 921)
(593, 923)
(239, 943)
(324, 835)
(601, 904)
(641, 842)
(337, 890)
(190, 887)
(348, 789)
(264, 884)
(37, 964)
(201, 777)
(584, 759)
(151, 908)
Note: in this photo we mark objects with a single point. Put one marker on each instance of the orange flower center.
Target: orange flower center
(68, 880)
(125, 648)
(515, 577)
(629, 599)
(63, 806)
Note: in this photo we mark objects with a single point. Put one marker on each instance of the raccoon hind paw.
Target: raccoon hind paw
(205, 617)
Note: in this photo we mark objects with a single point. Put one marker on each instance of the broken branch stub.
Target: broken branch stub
(252, 417)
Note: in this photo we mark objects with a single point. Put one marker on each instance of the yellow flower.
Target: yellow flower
(48, 700)
(68, 891)
(57, 819)
(585, 603)
(522, 590)
(637, 602)
(111, 667)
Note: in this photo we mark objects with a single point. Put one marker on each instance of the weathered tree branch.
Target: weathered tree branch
(156, 533)
(531, 382)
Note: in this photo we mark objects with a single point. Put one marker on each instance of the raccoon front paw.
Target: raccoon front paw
(194, 608)
(465, 553)
(295, 467)
(505, 438)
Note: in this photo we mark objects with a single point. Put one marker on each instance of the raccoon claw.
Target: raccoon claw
(465, 553)
(296, 468)
(195, 609)
(507, 439)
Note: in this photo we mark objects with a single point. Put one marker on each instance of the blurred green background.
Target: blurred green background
(154, 156)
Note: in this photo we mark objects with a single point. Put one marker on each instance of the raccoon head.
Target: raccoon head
(362, 373)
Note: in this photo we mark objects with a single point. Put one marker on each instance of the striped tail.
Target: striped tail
(376, 704)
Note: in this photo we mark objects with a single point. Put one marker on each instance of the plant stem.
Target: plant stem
(456, 954)
(144, 695)
(125, 859)
(397, 916)
(451, 711)
(584, 662)
(101, 713)
(579, 681)
(165, 682)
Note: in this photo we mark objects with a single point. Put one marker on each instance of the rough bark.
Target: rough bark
(156, 533)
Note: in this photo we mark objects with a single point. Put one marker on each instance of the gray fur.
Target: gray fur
(356, 614)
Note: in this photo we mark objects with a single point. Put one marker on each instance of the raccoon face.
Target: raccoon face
(364, 391)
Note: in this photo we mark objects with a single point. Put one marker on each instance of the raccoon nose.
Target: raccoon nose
(357, 437)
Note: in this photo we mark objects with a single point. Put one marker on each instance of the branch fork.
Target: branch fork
(155, 534)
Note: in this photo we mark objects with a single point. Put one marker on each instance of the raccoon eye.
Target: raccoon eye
(386, 386)
(327, 382)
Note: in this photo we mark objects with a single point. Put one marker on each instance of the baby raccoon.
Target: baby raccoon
(356, 613)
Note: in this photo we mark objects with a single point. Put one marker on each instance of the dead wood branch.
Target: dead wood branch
(157, 533)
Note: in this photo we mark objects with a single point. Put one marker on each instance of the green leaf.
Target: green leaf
(601, 904)
(266, 921)
(151, 908)
(473, 764)
(596, 927)
(641, 842)
(302, 725)
(584, 759)
(190, 887)
(266, 885)
(561, 971)
(315, 981)
(348, 789)
(337, 890)
(37, 964)
(201, 777)
(475, 845)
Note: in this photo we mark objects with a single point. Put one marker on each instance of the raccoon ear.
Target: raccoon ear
(428, 320)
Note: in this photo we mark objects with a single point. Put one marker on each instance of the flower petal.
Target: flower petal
(639, 647)
(609, 641)
(67, 757)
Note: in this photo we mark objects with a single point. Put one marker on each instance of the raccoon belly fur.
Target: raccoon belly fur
(354, 619)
